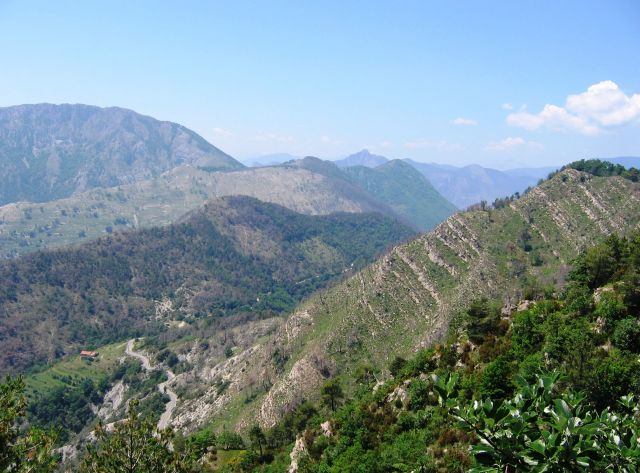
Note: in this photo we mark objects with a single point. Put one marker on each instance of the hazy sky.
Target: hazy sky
(505, 84)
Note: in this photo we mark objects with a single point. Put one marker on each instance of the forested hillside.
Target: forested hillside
(235, 256)
(53, 151)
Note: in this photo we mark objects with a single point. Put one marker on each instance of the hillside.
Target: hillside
(405, 190)
(26, 227)
(475, 403)
(408, 298)
(53, 151)
(398, 186)
(237, 258)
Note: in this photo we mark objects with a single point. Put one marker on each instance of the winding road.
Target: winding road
(163, 423)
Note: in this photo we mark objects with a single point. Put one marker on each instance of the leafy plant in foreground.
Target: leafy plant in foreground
(541, 429)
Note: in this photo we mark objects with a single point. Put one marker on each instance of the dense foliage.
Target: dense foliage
(21, 451)
(543, 388)
(237, 256)
(601, 168)
(67, 408)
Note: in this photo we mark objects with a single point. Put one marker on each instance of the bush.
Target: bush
(627, 335)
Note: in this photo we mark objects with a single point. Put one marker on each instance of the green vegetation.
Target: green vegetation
(135, 446)
(405, 190)
(600, 168)
(544, 389)
(236, 256)
(21, 451)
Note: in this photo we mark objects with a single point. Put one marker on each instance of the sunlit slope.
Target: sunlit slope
(408, 297)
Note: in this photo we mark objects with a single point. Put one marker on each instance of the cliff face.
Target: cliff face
(53, 151)
(408, 298)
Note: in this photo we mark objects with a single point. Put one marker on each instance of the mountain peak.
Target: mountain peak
(53, 151)
(361, 158)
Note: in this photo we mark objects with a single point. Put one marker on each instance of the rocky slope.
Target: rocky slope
(27, 227)
(407, 299)
(52, 151)
(236, 257)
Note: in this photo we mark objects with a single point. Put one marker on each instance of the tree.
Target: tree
(256, 435)
(136, 446)
(30, 451)
(332, 394)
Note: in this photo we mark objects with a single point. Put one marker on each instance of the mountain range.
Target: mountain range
(53, 151)
(261, 284)
(468, 185)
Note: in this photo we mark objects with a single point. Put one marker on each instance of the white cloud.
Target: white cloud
(222, 132)
(602, 105)
(463, 121)
(441, 145)
(507, 106)
(511, 143)
(605, 104)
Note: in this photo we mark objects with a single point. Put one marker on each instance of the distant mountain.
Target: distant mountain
(270, 159)
(236, 257)
(27, 227)
(472, 184)
(52, 151)
(407, 299)
(535, 173)
(394, 184)
(405, 190)
(362, 158)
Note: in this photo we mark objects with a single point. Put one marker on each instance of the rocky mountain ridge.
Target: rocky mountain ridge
(52, 151)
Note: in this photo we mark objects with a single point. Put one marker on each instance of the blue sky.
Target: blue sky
(505, 84)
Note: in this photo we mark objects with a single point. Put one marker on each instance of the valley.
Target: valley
(226, 301)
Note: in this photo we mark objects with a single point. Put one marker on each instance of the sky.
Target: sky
(503, 84)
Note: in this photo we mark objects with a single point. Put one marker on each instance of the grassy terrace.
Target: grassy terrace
(75, 368)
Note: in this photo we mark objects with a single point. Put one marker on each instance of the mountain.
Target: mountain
(361, 158)
(27, 227)
(237, 258)
(270, 159)
(49, 151)
(398, 186)
(408, 298)
(471, 184)
(490, 372)
(405, 190)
